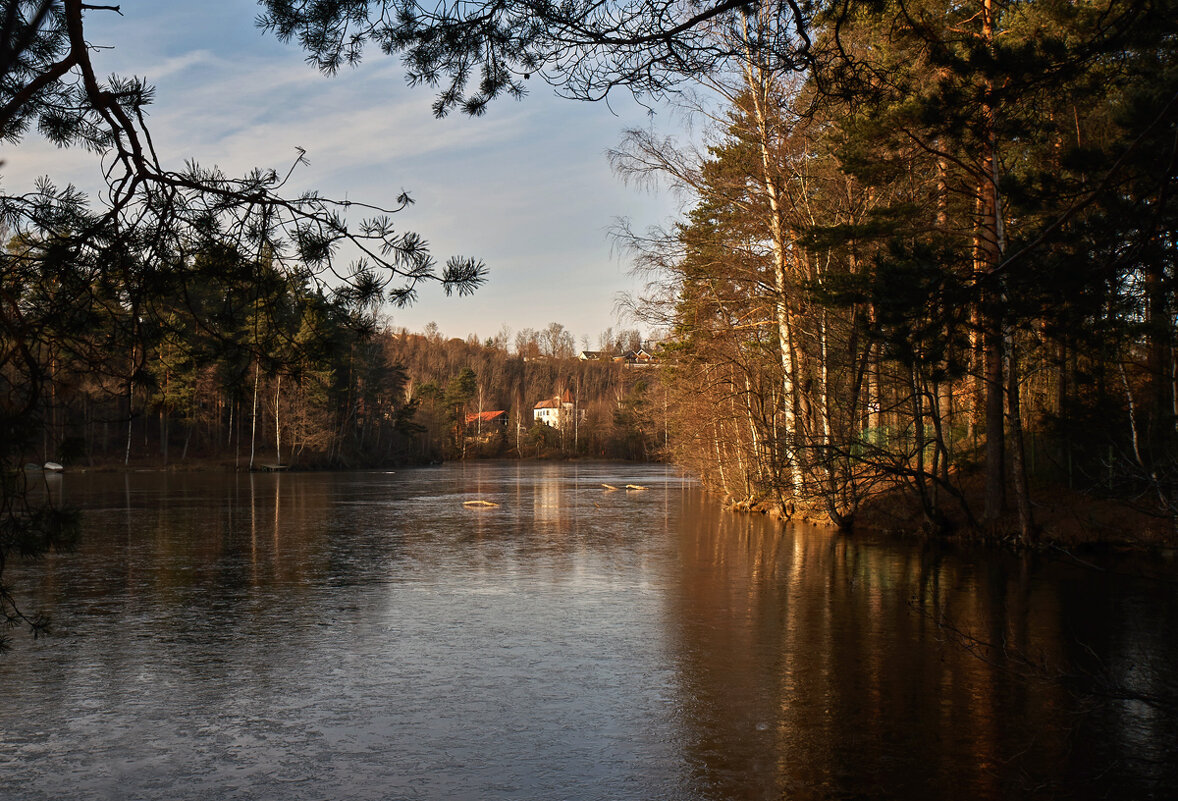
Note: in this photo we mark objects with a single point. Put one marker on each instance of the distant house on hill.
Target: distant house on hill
(556, 410)
(593, 355)
(636, 358)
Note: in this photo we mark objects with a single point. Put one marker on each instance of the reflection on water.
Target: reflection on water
(367, 636)
(818, 666)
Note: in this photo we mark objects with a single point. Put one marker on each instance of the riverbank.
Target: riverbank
(1062, 517)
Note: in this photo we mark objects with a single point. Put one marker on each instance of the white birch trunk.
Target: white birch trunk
(756, 79)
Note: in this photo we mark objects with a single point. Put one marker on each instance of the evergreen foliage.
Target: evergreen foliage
(477, 51)
(947, 252)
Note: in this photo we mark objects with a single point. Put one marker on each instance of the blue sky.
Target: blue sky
(526, 187)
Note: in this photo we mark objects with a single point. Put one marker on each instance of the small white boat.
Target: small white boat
(53, 467)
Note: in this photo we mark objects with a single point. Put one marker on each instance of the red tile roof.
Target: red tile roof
(487, 417)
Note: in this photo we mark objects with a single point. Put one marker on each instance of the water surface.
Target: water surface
(366, 636)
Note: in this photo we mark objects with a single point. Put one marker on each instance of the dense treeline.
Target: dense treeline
(616, 408)
(229, 358)
(941, 260)
(234, 361)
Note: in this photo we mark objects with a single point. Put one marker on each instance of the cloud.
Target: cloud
(242, 113)
(178, 64)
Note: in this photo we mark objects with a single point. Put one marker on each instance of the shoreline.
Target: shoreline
(1063, 518)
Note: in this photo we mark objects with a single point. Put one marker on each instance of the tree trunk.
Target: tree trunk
(758, 83)
(278, 420)
(164, 416)
(1022, 491)
(130, 419)
(1160, 362)
(254, 415)
(995, 498)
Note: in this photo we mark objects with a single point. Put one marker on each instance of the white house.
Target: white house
(556, 410)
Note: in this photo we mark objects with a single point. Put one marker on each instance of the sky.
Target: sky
(527, 188)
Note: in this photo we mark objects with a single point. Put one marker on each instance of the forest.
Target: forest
(938, 264)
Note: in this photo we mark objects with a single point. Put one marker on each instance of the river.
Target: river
(368, 636)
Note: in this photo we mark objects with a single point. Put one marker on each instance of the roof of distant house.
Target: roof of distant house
(487, 417)
(556, 402)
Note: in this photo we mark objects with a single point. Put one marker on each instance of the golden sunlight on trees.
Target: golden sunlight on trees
(933, 263)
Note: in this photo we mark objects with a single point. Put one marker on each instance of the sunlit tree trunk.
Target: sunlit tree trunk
(719, 455)
(758, 83)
